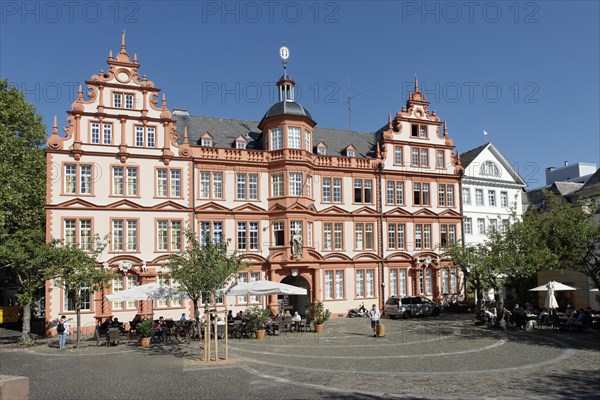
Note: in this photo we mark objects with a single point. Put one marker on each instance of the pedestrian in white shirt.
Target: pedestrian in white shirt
(374, 314)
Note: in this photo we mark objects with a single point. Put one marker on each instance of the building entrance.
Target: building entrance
(294, 303)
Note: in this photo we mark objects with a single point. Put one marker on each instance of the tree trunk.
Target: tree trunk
(500, 319)
(25, 331)
(197, 320)
(78, 311)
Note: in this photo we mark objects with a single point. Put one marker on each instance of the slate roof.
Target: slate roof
(594, 180)
(566, 188)
(287, 108)
(225, 131)
(467, 157)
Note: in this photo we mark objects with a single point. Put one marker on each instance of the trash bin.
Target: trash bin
(380, 330)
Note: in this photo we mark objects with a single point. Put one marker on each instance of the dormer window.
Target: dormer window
(350, 151)
(206, 140)
(489, 168)
(419, 130)
(241, 142)
(322, 149)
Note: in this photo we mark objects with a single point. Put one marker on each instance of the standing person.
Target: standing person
(374, 314)
(63, 331)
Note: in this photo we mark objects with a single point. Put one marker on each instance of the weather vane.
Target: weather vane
(284, 53)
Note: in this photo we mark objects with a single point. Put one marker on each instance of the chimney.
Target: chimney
(180, 111)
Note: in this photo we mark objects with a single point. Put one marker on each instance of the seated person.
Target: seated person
(182, 317)
(569, 310)
(296, 317)
(105, 325)
(230, 316)
(580, 317)
(520, 318)
(543, 316)
(239, 316)
(488, 315)
(160, 330)
(135, 321)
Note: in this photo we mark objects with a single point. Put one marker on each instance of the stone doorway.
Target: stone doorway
(294, 303)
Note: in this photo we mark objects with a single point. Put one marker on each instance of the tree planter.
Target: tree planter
(260, 334)
(145, 342)
(319, 328)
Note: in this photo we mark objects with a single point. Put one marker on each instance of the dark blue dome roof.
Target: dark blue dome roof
(287, 108)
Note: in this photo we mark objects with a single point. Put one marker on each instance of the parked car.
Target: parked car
(411, 306)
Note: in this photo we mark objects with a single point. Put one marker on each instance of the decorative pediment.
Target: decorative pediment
(450, 213)
(170, 205)
(76, 203)
(398, 212)
(336, 256)
(366, 256)
(350, 150)
(333, 210)
(424, 212)
(124, 204)
(399, 256)
(252, 258)
(212, 207)
(365, 211)
(248, 208)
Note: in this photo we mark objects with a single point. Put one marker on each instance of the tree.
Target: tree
(22, 196)
(78, 273)
(203, 269)
(22, 164)
(570, 231)
(27, 256)
(469, 258)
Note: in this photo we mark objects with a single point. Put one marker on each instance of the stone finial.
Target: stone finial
(390, 125)
(185, 135)
(110, 55)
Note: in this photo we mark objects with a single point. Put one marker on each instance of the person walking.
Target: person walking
(62, 328)
(374, 314)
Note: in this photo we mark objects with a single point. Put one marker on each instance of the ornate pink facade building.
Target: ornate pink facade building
(368, 213)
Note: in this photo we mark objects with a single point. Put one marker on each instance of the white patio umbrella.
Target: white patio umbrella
(150, 291)
(552, 286)
(594, 290)
(265, 287)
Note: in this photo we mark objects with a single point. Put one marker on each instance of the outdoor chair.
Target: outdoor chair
(99, 337)
(114, 336)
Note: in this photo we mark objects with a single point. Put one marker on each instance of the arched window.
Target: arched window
(489, 168)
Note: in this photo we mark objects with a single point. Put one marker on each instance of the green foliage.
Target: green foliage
(203, 269)
(74, 270)
(318, 312)
(145, 328)
(22, 164)
(256, 318)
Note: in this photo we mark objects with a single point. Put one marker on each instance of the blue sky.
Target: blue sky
(526, 72)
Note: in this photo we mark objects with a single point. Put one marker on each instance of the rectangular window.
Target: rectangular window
(492, 198)
(398, 155)
(78, 233)
(150, 136)
(428, 280)
(480, 226)
(278, 233)
(132, 280)
(277, 185)
(95, 133)
(241, 236)
(392, 236)
(419, 131)
(118, 285)
(168, 182)
(328, 285)
(308, 186)
(337, 190)
(363, 236)
(468, 226)
(395, 192)
(466, 195)
(339, 284)
(169, 235)
(479, 197)
(398, 282)
(69, 300)
(447, 234)
(402, 281)
(365, 283)
(241, 186)
(78, 179)
(253, 244)
(217, 185)
(416, 194)
(294, 137)
(326, 190)
(145, 136)
(129, 101)
(338, 236)
(295, 188)
(276, 139)
(363, 191)
(327, 236)
(118, 181)
(450, 195)
(424, 158)
(414, 160)
(132, 181)
(427, 236)
(117, 235)
(446, 195)
(117, 100)
(253, 186)
(504, 199)
(307, 141)
(107, 133)
(442, 195)
(418, 236)
(452, 234)
(204, 185)
(439, 161)
(216, 234)
(309, 234)
(493, 225)
(139, 136)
